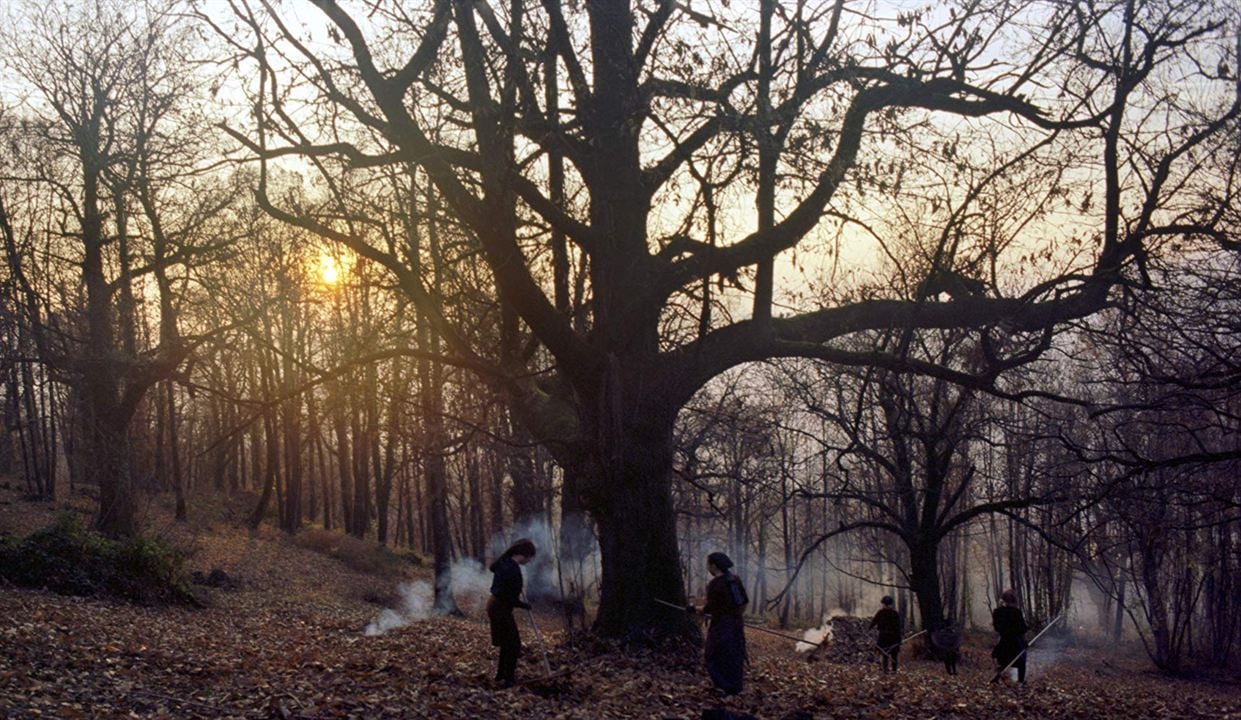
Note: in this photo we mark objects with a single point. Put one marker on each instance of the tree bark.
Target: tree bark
(638, 539)
(271, 444)
(174, 454)
(924, 581)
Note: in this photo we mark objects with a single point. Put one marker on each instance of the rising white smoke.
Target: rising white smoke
(471, 580)
(819, 635)
(417, 602)
(471, 584)
(1045, 654)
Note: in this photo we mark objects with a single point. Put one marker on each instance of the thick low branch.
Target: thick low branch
(807, 335)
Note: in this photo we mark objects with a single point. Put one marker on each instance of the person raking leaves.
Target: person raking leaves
(1011, 625)
(506, 586)
(888, 622)
(724, 651)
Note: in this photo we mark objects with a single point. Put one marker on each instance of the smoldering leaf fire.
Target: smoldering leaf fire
(550, 576)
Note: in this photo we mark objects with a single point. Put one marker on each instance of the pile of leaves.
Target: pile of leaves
(67, 558)
(851, 641)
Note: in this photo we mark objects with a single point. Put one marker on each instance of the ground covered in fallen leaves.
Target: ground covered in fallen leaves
(288, 643)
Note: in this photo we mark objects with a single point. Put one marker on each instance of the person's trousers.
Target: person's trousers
(507, 670)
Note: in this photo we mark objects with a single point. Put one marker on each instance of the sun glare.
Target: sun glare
(328, 269)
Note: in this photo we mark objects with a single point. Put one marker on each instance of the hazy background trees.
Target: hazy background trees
(931, 304)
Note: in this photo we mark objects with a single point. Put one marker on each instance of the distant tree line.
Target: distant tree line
(844, 295)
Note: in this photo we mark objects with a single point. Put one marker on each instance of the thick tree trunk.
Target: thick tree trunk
(29, 438)
(1164, 652)
(110, 464)
(291, 414)
(361, 502)
(325, 488)
(272, 447)
(787, 541)
(10, 419)
(174, 455)
(105, 425)
(441, 533)
(431, 379)
(344, 463)
(385, 471)
(495, 491)
(638, 542)
(1118, 620)
(924, 581)
(478, 529)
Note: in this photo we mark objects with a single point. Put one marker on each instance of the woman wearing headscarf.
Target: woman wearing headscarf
(726, 603)
(506, 585)
(1011, 625)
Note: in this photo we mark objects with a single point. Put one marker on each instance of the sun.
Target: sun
(329, 271)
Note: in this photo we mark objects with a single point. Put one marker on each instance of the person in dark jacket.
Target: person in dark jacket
(946, 644)
(725, 647)
(888, 622)
(505, 597)
(1011, 625)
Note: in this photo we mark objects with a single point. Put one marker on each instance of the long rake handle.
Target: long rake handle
(1026, 649)
(752, 626)
(886, 650)
(547, 663)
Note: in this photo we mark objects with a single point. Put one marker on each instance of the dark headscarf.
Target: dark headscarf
(523, 546)
(720, 560)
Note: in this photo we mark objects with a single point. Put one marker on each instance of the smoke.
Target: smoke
(1046, 654)
(470, 585)
(817, 636)
(470, 579)
(553, 567)
(821, 634)
(417, 603)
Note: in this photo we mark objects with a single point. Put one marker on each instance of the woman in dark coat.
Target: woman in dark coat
(1011, 625)
(726, 603)
(505, 597)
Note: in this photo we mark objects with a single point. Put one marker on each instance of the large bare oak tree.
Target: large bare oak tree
(669, 157)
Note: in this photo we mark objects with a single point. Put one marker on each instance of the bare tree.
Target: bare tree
(108, 87)
(1161, 445)
(1077, 85)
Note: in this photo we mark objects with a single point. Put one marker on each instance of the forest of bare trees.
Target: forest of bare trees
(923, 302)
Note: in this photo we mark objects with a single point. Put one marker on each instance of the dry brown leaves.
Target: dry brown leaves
(255, 656)
(290, 645)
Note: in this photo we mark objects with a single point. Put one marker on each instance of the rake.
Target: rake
(998, 675)
(752, 626)
(550, 682)
(888, 649)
